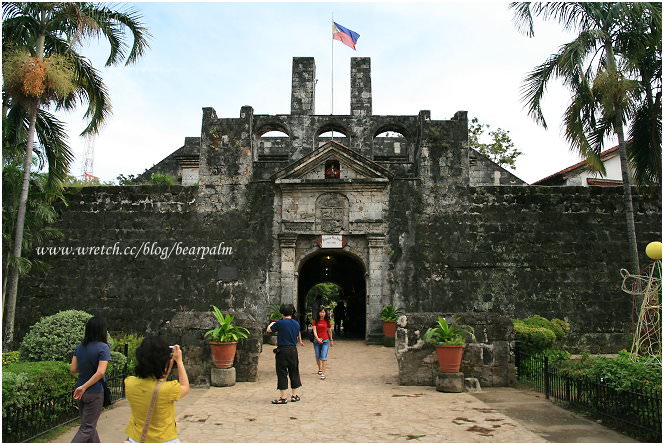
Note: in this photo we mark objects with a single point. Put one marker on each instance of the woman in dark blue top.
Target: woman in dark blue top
(90, 361)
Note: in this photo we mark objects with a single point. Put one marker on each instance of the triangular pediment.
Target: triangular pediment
(353, 166)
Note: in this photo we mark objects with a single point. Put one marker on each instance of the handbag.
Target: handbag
(107, 393)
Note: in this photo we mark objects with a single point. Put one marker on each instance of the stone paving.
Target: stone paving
(359, 401)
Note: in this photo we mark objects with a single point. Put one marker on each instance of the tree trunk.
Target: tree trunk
(626, 178)
(10, 301)
(627, 195)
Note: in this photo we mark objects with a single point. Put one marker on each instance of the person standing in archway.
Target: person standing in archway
(322, 327)
(339, 317)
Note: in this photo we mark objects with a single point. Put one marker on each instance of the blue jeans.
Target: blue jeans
(321, 349)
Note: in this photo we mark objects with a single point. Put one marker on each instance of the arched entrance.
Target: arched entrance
(345, 271)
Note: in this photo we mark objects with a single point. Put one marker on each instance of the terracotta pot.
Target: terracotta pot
(449, 357)
(389, 329)
(223, 354)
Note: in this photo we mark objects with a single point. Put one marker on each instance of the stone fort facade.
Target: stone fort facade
(415, 219)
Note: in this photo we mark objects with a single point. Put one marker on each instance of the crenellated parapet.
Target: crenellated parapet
(253, 147)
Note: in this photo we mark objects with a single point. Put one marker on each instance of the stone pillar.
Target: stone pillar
(360, 86)
(375, 288)
(288, 284)
(222, 377)
(303, 89)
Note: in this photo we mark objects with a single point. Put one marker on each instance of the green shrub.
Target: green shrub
(533, 339)
(10, 357)
(117, 363)
(25, 383)
(164, 179)
(559, 327)
(54, 337)
(133, 341)
(537, 334)
(624, 372)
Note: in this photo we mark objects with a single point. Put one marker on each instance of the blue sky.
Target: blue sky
(437, 56)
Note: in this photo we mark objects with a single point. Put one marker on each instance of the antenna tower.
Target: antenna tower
(88, 160)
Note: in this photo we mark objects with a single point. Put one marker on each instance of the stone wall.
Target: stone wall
(144, 288)
(484, 171)
(490, 358)
(520, 251)
(187, 329)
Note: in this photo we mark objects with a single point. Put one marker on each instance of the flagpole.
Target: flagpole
(332, 98)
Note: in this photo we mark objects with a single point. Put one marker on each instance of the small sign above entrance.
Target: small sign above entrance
(331, 241)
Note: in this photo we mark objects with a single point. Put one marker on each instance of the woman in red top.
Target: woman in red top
(322, 340)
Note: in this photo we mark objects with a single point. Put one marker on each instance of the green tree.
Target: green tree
(500, 150)
(322, 294)
(600, 70)
(42, 68)
(42, 196)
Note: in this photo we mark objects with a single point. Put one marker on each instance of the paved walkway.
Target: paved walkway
(359, 402)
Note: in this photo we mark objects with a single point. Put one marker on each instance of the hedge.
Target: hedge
(10, 357)
(24, 383)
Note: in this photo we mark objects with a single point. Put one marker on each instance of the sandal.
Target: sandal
(295, 398)
(279, 401)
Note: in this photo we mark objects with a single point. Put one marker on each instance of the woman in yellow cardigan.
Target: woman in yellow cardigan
(155, 358)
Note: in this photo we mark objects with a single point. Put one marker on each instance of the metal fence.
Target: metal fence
(636, 411)
(24, 423)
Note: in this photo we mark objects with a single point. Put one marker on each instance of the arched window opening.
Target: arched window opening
(273, 144)
(390, 144)
(274, 134)
(331, 132)
(332, 169)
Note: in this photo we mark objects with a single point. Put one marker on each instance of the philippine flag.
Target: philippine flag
(344, 35)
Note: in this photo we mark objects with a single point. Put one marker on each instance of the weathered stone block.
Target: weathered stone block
(222, 376)
(471, 384)
(450, 382)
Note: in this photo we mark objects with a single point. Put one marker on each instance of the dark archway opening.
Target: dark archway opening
(348, 274)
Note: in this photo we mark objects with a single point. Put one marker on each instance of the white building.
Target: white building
(579, 175)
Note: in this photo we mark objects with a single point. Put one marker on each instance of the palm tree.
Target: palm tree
(40, 211)
(598, 67)
(41, 68)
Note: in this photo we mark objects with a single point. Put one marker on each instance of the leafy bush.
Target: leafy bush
(132, 341)
(10, 357)
(54, 337)
(159, 178)
(624, 372)
(117, 363)
(25, 383)
(538, 334)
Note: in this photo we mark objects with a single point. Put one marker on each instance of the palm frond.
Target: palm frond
(644, 152)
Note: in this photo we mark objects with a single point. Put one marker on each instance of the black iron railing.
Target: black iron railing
(636, 411)
(24, 423)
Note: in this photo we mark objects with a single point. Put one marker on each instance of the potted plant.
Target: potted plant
(223, 339)
(272, 316)
(389, 315)
(275, 313)
(449, 341)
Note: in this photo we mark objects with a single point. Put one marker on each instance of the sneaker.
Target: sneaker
(319, 372)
